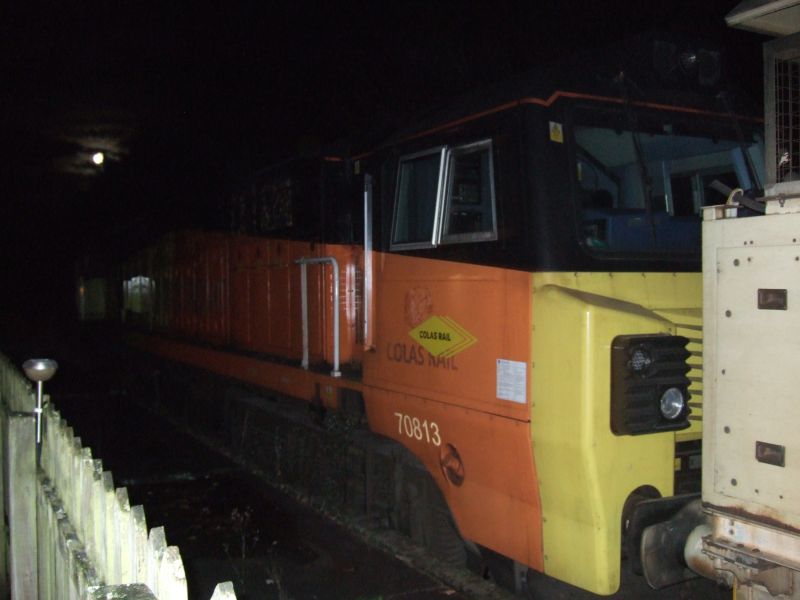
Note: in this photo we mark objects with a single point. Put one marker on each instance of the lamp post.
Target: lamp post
(39, 370)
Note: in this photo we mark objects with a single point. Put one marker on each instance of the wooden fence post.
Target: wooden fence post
(139, 526)
(171, 575)
(110, 543)
(224, 591)
(123, 529)
(5, 587)
(156, 546)
(21, 467)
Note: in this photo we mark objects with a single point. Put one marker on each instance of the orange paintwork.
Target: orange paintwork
(492, 304)
(214, 275)
(239, 294)
(245, 292)
(448, 401)
(282, 379)
(350, 259)
(498, 503)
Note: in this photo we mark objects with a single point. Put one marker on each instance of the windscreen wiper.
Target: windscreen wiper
(644, 174)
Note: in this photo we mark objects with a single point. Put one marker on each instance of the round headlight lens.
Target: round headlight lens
(640, 360)
(672, 403)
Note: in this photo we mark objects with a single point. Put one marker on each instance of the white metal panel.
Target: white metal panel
(752, 375)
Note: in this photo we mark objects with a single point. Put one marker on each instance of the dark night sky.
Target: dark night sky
(187, 99)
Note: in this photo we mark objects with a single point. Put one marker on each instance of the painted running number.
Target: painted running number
(419, 430)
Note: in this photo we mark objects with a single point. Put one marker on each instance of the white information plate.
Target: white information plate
(511, 380)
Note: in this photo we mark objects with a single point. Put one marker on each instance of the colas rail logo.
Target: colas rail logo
(442, 337)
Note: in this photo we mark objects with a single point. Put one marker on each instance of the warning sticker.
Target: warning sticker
(556, 132)
(442, 337)
(511, 380)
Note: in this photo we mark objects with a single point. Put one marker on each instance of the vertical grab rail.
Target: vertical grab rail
(304, 262)
(368, 335)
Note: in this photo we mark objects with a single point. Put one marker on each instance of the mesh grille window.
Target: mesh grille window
(782, 111)
(787, 118)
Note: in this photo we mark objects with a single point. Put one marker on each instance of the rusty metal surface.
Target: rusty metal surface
(767, 517)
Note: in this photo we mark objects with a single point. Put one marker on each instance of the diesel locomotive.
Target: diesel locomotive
(509, 288)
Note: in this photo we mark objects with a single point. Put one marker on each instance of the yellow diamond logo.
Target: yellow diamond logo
(442, 337)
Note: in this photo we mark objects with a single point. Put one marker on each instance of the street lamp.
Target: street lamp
(39, 370)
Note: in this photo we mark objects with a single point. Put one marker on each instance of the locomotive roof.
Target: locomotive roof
(656, 67)
(653, 67)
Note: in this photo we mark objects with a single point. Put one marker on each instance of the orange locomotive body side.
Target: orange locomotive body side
(244, 292)
(266, 296)
(438, 397)
(446, 405)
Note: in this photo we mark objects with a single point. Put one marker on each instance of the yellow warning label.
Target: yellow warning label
(556, 132)
(442, 337)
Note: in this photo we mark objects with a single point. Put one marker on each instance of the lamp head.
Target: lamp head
(39, 369)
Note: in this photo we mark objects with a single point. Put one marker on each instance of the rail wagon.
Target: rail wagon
(508, 288)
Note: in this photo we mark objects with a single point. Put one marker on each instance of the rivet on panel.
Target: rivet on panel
(726, 429)
(734, 482)
(728, 313)
(735, 262)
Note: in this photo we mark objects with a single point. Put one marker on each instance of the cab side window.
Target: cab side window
(470, 205)
(418, 183)
(444, 196)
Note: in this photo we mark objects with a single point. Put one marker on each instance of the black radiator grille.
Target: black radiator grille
(642, 369)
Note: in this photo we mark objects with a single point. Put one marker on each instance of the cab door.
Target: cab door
(446, 328)
(448, 372)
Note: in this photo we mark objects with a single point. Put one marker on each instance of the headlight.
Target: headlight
(672, 403)
(649, 384)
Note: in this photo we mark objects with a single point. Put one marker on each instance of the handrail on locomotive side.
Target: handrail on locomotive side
(304, 263)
